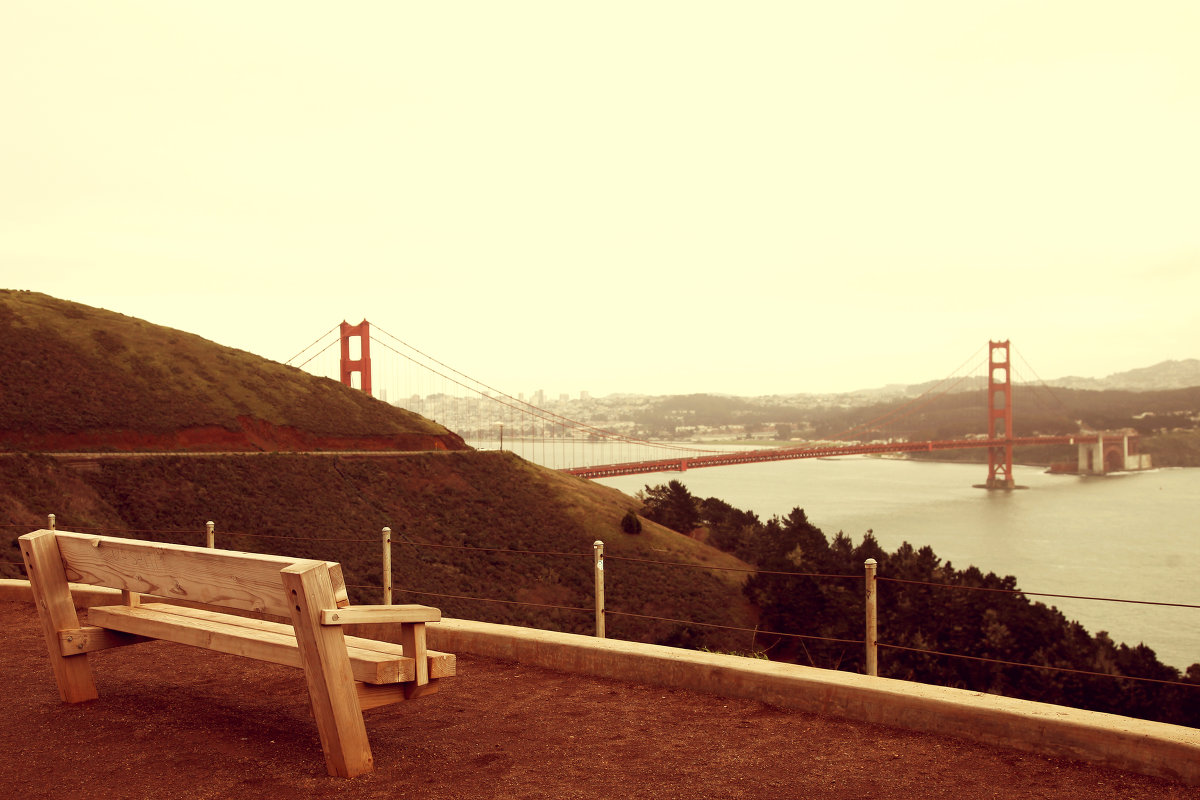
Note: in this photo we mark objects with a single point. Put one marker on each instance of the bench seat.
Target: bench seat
(210, 591)
(371, 661)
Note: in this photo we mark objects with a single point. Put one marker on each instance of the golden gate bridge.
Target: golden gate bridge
(368, 358)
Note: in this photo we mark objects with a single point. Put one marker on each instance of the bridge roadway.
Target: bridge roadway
(680, 464)
(685, 463)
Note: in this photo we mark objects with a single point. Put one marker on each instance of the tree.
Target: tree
(805, 587)
(671, 505)
(729, 529)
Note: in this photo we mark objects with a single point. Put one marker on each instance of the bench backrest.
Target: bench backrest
(228, 578)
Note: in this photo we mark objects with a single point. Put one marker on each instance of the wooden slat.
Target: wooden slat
(327, 671)
(90, 638)
(412, 691)
(375, 696)
(56, 611)
(351, 615)
(251, 638)
(441, 665)
(248, 581)
(340, 593)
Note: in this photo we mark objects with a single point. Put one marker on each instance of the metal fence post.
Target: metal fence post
(50, 520)
(387, 566)
(210, 535)
(598, 549)
(871, 638)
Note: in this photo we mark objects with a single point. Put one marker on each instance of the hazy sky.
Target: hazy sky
(657, 197)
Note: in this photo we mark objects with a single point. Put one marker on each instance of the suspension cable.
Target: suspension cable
(525, 407)
(305, 350)
(910, 407)
(1041, 384)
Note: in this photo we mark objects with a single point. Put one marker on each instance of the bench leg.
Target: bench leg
(56, 610)
(412, 639)
(327, 671)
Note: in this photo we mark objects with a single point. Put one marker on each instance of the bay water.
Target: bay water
(1130, 536)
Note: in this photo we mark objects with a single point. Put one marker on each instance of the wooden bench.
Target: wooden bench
(345, 674)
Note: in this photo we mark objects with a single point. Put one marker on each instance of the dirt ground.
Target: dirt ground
(178, 722)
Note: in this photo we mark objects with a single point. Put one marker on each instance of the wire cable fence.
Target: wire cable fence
(445, 596)
(1036, 594)
(497, 600)
(755, 631)
(1025, 665)
(505, 550)
(749, 570)
(1047, 667)
(870, 640)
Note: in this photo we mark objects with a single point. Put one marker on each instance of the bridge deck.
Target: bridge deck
(685, 463)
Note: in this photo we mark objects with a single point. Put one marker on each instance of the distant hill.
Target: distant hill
(1164, 375)
(73, 377)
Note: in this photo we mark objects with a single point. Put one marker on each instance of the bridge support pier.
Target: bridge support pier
(1000, 428)
(1091, 457)
(1113, 451)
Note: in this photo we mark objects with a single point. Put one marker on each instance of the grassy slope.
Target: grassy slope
(67, 368)
(100, 370)
(478, 500)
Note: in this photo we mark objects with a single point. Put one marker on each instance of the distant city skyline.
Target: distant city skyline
(653, 197)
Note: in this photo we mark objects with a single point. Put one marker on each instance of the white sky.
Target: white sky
(650, 196)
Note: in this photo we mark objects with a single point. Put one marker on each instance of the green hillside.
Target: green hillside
(334, 507)
(106, 382)
(73, 377)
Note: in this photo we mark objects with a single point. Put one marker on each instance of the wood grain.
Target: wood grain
(252, 638)
(351, 615)
(91, 638)
(247, 581)
(56, 611)
(375, 696)
(412, 638)
(441, 665)
(327, 671)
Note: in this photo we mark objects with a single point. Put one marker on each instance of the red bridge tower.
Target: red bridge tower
(362, 364)
(1000, 424)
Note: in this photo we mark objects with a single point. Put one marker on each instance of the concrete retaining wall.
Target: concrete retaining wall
(1150, 748)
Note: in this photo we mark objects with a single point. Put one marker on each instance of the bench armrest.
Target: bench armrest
(355, 614)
